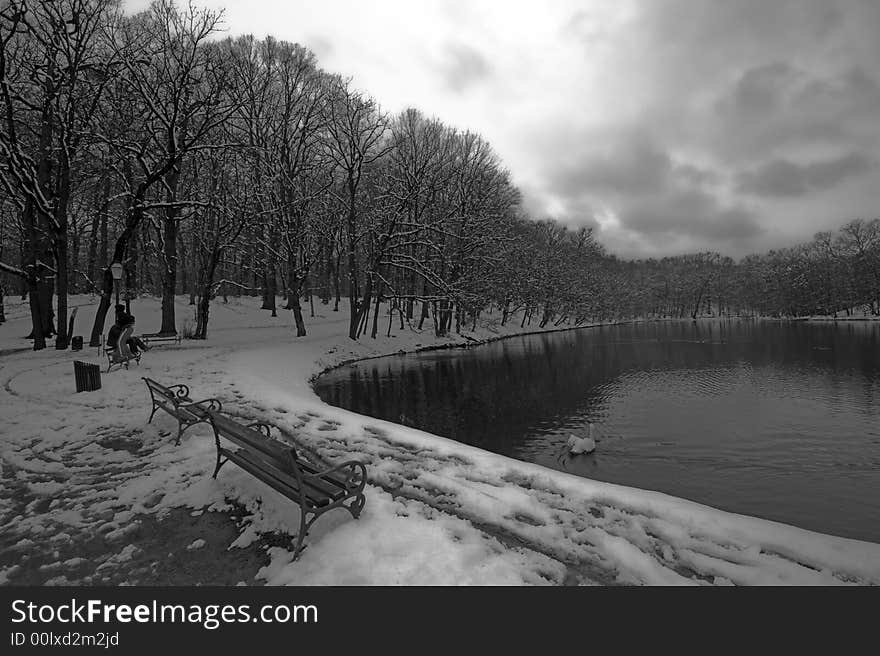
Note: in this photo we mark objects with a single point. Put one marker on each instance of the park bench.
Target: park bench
(176, 402)
(158, 338)
(122, 354)
(277, 464)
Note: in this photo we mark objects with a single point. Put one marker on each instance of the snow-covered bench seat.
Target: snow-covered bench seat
(176, 402)
(277, 464)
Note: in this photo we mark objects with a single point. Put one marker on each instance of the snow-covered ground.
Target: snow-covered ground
(91, 493)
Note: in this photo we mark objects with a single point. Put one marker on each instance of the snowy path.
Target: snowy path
(65, 459)
(90, 493)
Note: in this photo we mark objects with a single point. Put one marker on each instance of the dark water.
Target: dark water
(776, 420)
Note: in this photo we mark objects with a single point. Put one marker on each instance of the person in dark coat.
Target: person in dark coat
(113, 335)
(123, 320)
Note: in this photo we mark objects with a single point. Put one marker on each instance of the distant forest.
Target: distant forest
(214, 166)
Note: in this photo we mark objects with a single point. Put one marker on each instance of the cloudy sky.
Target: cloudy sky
(668, 125)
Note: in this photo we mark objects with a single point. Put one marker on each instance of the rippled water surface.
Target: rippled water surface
(777, 420)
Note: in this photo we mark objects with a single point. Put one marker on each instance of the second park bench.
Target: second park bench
(277, 464)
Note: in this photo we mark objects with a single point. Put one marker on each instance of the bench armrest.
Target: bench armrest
(263, 427)
(204, 404)
(356, 476)
(181, 391)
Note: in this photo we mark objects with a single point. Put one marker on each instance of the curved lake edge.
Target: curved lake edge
(444, 418)
(470, 342)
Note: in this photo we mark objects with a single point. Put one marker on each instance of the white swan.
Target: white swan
(578, 445)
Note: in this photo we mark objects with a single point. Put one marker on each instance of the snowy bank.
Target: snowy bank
(83, 475)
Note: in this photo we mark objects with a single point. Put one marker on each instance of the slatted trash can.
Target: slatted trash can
(88, 376)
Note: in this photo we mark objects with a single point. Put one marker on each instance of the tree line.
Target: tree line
(214, 166)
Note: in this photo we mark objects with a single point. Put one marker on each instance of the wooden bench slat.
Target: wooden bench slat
(336, 479)
(280, 480)
(249, 438)
(276, 453)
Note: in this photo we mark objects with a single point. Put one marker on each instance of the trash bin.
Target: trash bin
(88, 376)
(76, 344)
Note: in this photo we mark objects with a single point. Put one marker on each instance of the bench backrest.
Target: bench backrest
(272, 461)
(165, 392)
(281, 456)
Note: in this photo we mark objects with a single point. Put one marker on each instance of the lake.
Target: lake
(773, 419)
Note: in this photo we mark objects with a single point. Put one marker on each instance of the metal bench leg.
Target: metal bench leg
(219, 453)
(357, 505)
(303, 530)
(182, 428)
(155, 407)
(220, 463)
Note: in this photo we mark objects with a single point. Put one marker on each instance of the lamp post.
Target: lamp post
(116, 272)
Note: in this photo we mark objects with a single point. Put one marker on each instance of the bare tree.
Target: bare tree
(177, 85)
(355, 139)
(53, 70)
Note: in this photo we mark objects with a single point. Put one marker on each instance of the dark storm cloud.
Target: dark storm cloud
(696, 176)
(762, 90)
(633, 165)
(778, 104)
(739, 104)
(630, 164)
(464, 66)
(690, 213)
(781, 177)
(656, 197)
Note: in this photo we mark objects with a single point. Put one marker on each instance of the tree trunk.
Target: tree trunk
(93, 249)
(169, 275)
(135, 216)
(291, 283)
(337, 288)
(37, 332)
(298, 316)
(103, 307)
(62, 339)
(73, 262)
(269, 290)
(103, 244)
(203, 309)
(375, 330)
(364, 306)
(354, 319)
(328, 273)
(424, 314)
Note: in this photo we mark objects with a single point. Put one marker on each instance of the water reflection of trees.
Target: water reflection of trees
(495, 395)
